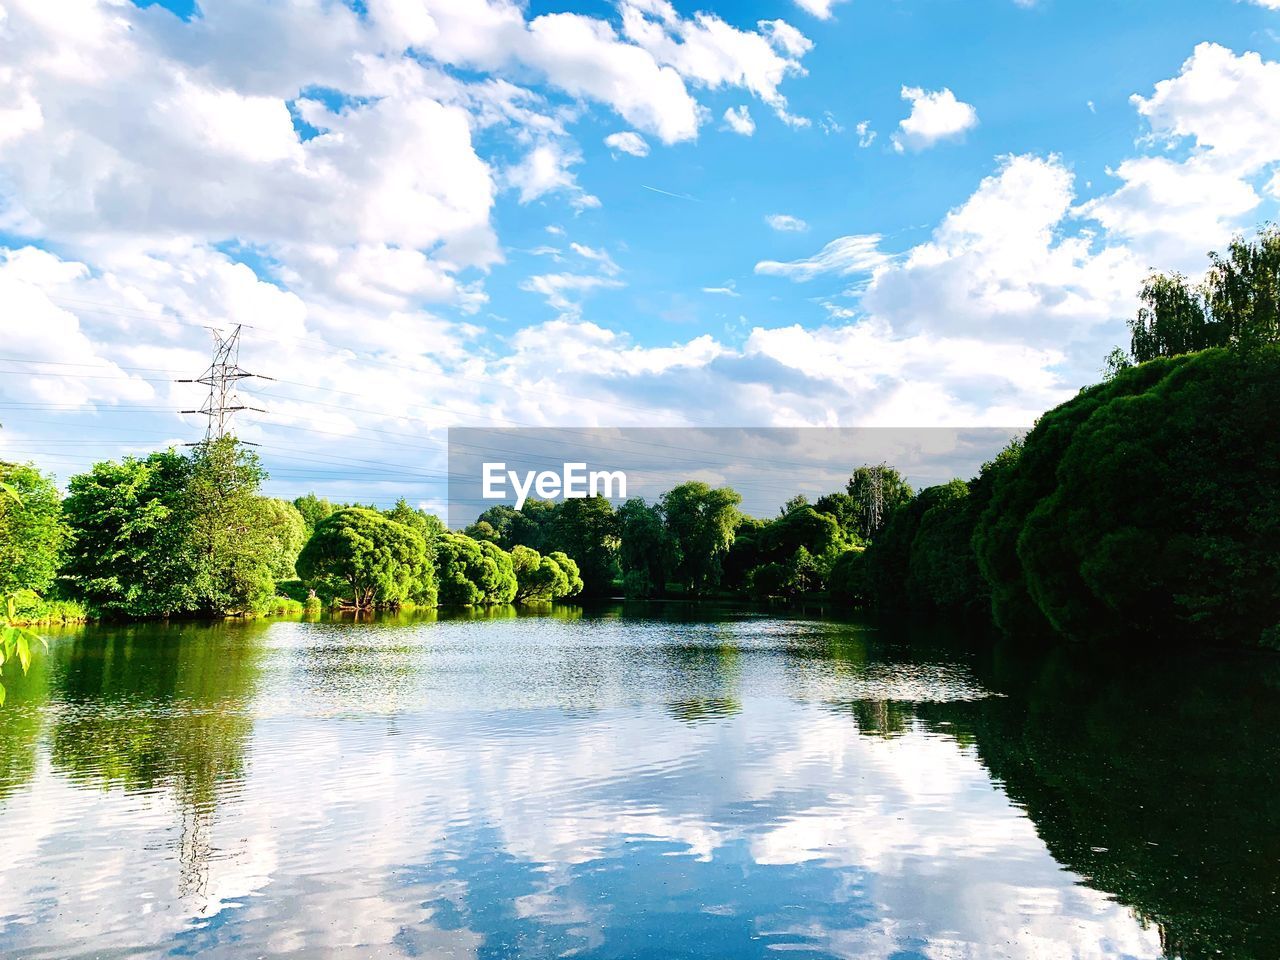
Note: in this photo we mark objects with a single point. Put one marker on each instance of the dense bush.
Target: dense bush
(368, 560)
(1164, 519)
(473, 572)
(542, 579)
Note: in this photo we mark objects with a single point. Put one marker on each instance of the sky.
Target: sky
(434, 213)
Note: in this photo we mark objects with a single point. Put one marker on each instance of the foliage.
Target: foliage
(571, 572)
(28, 607)
(231, 534)
(474, 572)
(647, 552)
(586, 528)
(701, 520)
(844, 509)
(312, 509)
(376, 562)
(894, 492)
(1236, 305)
(32, 531)
(427, 525)
(129, 554)
(1165, 516)
(542, 579)
(530, 526)
(288, 532)
(942, 572)
(798, 549)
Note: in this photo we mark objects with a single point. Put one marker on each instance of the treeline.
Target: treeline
(177, 534)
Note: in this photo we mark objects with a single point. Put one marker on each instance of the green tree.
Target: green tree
(426, 525)
(647, 551)
(1237, 304)
(1163, 519)
(1242, 289)
(229, 528)
(313, 509)
(701, 521)
(288, 532)
(571, 572)
(540, 578)
(844, 509)
(586, 529)
(130, 553)
(871, 489)
(376, 562)
(32, 530)
(942, 571)
(472, 572)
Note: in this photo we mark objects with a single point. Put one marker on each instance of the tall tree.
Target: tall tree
(701, 521)
(129, 553)
(876, 492)
(586, 528)
(32, 530)
(647, 551)
(236, 547)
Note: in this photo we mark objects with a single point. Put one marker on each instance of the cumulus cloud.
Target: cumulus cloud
(819, 8)
(999, 266)
(935, 115)
(785, 223)
(627, 141)
(842, 256)
(713, 54)
(738, 119)
(544, 170)
(1226, 107)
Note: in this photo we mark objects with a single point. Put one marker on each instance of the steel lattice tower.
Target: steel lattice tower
(222, 377)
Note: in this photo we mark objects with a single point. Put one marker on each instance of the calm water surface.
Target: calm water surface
(626, 783)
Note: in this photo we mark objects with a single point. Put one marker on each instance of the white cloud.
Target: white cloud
(786, 223)
(998, 268)
(1269, 4)
(628, 141)
(713, 54)
(1227, 106)
(599, 257)
(935, 115)
(738, 119)
(564, 291)
(728, 290)
(819, 8)
(866, 136)
(842, 256)
(544, 170)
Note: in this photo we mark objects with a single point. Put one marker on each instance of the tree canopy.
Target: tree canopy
(370, 559)
(32, 531)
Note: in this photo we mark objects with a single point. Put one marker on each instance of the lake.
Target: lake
(633, 782)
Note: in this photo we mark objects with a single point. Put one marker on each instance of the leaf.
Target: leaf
(24, 651)
(2, 694)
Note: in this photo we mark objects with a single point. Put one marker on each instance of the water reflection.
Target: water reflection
(632, 782)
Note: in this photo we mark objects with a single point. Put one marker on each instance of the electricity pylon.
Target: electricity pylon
(221, 378)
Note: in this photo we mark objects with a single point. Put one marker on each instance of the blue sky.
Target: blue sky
(427, 213)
